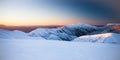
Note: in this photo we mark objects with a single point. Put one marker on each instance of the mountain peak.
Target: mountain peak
(80, 25)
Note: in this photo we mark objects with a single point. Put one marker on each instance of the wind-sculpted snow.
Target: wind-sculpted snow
(68, 32)
(101, 38)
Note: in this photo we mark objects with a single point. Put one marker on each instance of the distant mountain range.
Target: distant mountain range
(67, 33)
(74, 32)
(26, 28)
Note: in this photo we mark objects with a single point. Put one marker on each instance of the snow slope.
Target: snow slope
(57, 50)
(16, 34)
(101, 38)
(12, 34)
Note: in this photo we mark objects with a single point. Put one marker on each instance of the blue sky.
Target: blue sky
(52, 12)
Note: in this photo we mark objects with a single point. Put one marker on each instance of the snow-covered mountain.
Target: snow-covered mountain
(109, 28)
(36, 45)
(101, 38)
(68, 32)
(12, 34)
(51, 34)
(79, 29)
(76, 32)
(16, 34)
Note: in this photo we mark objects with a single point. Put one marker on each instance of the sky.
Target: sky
(58, 12)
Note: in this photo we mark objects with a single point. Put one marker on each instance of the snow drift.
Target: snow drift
(57, 50)
(101, 38)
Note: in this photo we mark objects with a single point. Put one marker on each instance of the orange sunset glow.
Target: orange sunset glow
(30, 22)
(24, 12)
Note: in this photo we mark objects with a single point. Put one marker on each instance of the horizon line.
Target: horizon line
(50, 25)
